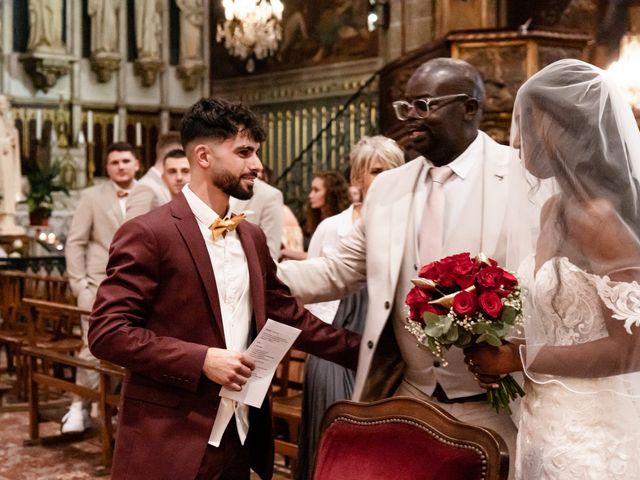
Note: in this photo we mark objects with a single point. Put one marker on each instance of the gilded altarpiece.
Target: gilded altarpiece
(506, 59)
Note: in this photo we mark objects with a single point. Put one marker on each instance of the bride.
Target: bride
(579, 260)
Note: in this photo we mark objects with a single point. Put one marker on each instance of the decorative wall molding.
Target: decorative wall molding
(46, 68)
(191, 73)
(327, 81)
(104, 64)
(147, 69)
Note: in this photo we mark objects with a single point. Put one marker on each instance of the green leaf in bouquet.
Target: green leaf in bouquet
(480, 328)
(436, 325)
(431, 319)
(508, 314)
(453, 333)
(489, 338)
(499, 329)
(465, 337)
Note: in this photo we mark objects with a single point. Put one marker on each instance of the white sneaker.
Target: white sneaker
(76, 420)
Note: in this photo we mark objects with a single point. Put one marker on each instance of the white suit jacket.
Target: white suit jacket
(95, 221)
(373, 253)
(265, 209)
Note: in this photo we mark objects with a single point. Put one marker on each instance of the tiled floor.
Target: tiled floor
(71, 461)
(68, 461)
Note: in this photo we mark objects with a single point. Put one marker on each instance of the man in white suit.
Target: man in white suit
(442, 112)
(265, 209)
(151, 191)
(100, 212)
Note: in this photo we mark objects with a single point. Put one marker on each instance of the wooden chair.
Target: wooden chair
(52, 326)
(53, 338)
(13, 329)
(14, 286)
(287, 405)
(404, 438)
(45, 376)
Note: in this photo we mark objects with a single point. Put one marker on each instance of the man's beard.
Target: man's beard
(232, 186)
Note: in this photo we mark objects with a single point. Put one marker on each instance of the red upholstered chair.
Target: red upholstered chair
(405, 439)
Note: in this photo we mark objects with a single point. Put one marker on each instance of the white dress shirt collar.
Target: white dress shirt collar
(463, 164)
(203, 212)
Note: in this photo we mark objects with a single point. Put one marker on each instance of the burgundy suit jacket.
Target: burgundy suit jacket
(156, 314)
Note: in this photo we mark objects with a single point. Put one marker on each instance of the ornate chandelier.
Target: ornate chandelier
(626, 70)
(251, 27)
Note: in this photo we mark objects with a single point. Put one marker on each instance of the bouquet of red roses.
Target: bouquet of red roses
(462, 301)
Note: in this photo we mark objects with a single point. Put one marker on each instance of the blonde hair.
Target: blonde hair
(367, 150)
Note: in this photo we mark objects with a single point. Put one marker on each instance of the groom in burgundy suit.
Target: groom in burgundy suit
(183, 298)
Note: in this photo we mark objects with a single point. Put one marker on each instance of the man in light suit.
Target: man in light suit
(186, 292)
(151, 191)
(265, 209)
(176, 172)
(98, 215)
(175, 175)
(442, 112)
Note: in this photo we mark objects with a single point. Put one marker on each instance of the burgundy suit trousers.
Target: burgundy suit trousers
(229, 461)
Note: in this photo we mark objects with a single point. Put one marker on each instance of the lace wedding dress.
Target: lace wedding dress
(575, 428)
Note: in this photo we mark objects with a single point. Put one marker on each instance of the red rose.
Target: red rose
(489, 278)
(509, 281)
(446, 278)
(464, 303)
(435, 308)
(465, 271)
(490, 303)
(417, 301)
(458, 257)
(429, 271)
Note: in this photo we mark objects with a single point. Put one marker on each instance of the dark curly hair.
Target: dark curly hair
(335, 201)
(220, 119)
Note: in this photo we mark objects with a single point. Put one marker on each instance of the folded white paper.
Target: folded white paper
(267, 350)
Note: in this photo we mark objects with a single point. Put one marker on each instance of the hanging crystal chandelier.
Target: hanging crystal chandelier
(626, 70)
(251, 28)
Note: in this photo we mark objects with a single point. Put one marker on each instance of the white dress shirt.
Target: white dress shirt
(122, 201)
(231, 273)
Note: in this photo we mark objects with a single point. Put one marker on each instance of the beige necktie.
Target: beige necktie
(432, 226)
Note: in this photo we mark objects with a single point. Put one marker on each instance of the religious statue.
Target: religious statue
(10, 175)
(148, 28)
(191, 23)
(45, 25)
(104, 25)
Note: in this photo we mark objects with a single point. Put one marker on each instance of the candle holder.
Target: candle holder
(91, 164)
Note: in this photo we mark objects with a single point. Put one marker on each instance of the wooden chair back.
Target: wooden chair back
(54, 325)
(287, 405)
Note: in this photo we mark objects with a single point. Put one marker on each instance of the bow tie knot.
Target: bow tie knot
(122, 193)
(221, 226)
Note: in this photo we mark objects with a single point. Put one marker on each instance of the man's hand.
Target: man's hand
(227, 368)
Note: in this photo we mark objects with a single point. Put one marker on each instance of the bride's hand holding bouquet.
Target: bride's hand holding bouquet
(470, 303)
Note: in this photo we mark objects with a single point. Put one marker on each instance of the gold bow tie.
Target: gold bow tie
(221, 226)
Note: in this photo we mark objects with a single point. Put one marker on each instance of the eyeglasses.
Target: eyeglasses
(422, 106)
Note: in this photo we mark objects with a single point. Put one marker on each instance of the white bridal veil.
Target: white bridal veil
(575, 229)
